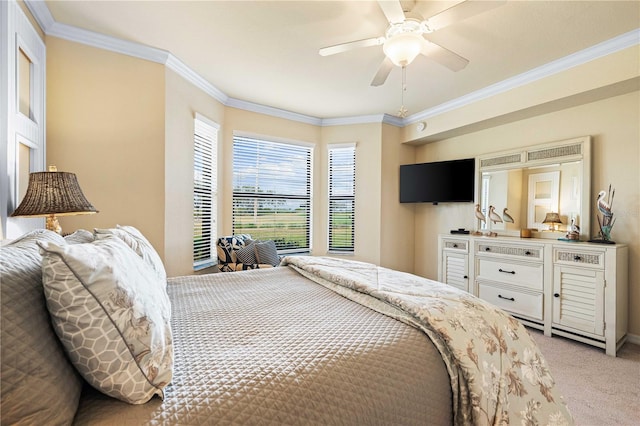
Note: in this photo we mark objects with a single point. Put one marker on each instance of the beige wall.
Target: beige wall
(614, 126)
(183, 101)
(397, 232)
(105, 123)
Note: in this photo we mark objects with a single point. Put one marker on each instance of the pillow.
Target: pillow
(266, 252)
(227, 247)
(38, 383)
(112, 315)
(247, 254)
(139, 244)
(80, 236)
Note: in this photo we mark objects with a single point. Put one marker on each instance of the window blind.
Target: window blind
(272, 192)
(342, 191)
(205, 188)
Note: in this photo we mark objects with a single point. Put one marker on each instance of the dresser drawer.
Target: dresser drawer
(512, 251)
(519, 274)
(452, 244)
(517, 302)
(583, 258)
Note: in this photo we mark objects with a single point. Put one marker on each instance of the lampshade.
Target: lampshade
(403, 48)
(551, 219)
(53, 193)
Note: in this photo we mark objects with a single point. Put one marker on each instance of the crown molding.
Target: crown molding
(605, 48)
(48, 24)
(276, 112)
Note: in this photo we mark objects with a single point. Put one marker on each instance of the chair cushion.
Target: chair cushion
(39, 385)
(227, 247)
(266, 252)
(112, 314)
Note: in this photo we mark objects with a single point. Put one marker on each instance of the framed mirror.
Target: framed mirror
(525, 188)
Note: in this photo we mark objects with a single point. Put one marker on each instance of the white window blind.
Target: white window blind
(342, 191)
(272, 192)
(205, 189)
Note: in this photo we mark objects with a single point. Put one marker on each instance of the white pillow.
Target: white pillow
(112, 315)
(134, 239)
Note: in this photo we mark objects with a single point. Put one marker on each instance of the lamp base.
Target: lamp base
(53, 225)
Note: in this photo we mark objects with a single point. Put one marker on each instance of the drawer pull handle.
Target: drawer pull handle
(507, 272)
(506, 298)
(556, 294)
(487, 249)
(455, 246)
(527, 253)
(577, 258)
(465, 277)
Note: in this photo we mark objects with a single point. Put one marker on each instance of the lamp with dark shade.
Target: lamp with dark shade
(552, 219)
(52, 194)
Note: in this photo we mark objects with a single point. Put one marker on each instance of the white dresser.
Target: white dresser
(574, 289)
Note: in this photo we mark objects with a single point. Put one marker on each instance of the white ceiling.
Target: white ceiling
(266, 52)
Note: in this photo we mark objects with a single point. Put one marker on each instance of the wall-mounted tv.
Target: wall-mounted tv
(438, 182)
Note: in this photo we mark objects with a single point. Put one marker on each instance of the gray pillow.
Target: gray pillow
(79, 237)
(247, 254)
(266, 252)
(39, 384)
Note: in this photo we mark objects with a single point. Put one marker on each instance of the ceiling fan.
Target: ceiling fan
(408, 36)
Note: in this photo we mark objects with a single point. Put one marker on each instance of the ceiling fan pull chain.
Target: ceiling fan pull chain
(403, 111)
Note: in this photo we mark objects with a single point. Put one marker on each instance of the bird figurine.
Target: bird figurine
(479, 214)
(506, 216)
(493, 216)
(604, 206)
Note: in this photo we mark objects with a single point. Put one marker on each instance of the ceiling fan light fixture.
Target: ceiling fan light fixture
(403, 48)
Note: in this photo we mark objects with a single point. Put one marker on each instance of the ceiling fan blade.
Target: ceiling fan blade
(392, 9)
(443, 56)
(383, 72)
(461, 11)
(339, 48)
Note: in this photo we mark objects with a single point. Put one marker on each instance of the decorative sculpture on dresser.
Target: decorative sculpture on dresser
(606, 223)
(506, 216)
(481, 218)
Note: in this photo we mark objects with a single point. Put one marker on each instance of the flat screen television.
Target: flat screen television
(438, 182)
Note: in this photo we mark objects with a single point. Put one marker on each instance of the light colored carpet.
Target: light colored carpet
(599, 389)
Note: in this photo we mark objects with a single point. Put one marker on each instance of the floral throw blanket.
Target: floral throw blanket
(498, 375)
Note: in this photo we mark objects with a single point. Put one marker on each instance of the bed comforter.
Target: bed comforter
(272, 347)
(498, 375)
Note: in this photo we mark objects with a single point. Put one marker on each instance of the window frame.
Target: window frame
(350, 249)
(205, 146)
(270, 147)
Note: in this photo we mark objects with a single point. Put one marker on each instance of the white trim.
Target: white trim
(633, 338)
(207, 121)
(275, 112)
(608, 47)
(342, 145)
(42, 14)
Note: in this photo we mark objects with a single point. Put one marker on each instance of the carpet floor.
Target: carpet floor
(599, 389)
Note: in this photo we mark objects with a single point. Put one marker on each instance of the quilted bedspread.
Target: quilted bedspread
(272, 347)
(498, 375)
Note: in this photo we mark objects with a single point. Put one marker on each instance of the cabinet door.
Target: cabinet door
(578, 299)
(455, 269)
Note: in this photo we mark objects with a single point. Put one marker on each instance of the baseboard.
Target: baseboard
(633, 338)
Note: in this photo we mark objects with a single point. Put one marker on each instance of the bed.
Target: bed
(314, 341)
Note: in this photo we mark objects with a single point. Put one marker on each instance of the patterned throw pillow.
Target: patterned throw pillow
(134, 239)
(266, 252)
(39, 384)
(112, 314)
(247, 254)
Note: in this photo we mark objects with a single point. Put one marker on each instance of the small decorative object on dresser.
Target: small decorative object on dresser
(606, 223)
(481, 218)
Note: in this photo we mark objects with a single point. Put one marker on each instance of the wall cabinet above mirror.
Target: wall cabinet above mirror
(518, 189)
